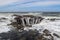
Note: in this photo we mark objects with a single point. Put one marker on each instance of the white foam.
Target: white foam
(52, 26)
(4, 27)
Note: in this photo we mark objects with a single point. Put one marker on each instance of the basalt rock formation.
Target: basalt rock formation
(26, 35)
(22, 21)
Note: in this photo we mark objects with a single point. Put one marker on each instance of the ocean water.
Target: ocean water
(52, 26)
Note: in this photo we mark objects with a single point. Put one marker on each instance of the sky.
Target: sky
(29, 5)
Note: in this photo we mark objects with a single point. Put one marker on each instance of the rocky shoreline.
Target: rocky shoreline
(20, 22)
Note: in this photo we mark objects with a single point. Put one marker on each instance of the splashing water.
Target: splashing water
(4, 27)
(52, 26)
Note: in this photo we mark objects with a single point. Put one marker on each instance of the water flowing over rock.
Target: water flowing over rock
(22, 21)
(29, 27)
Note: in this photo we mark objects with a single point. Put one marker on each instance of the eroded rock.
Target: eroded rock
(26, 21)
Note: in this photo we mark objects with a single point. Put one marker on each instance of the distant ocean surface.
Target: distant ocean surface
(53, 14)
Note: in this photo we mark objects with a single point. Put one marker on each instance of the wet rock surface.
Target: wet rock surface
(26, 35)
(22, 21)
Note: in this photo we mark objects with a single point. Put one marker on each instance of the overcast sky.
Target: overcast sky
(29, 5)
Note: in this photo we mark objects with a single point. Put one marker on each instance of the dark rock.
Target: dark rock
(46, 31)
(52, 19)
(15, 35)
(29, 16)
(16, 25)
(9, 35)
(56, 35)
(4, 18)
(24, 21)
(25, 35)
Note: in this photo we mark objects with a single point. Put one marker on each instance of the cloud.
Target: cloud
(28, 3)
(25, 5)
(6, 2)
(41, 3)
(10, 2)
